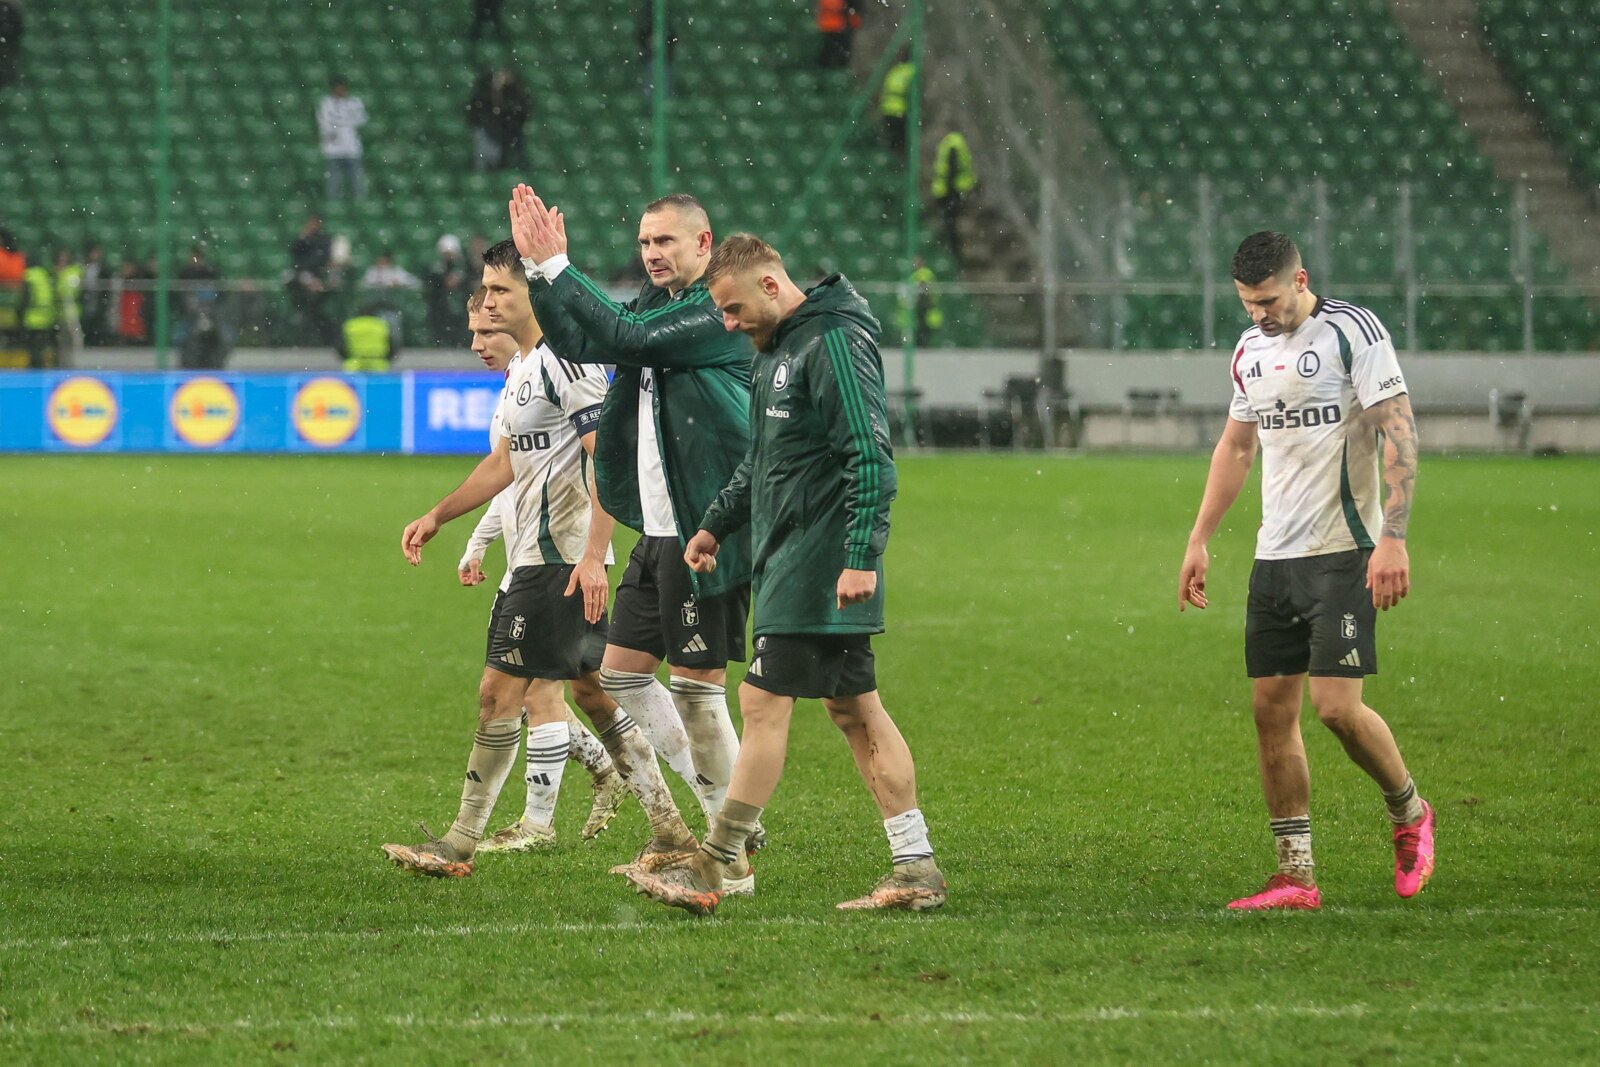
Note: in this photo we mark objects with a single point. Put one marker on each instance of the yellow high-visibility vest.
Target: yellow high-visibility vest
(366, 344)
(41, 313)
(896, 90)
(965, 179)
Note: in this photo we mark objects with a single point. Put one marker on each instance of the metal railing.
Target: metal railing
(1106, 313)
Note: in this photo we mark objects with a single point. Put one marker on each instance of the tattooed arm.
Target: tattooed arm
(1389, 571)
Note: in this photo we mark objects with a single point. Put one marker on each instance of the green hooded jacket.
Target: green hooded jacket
(816, 486)
(702, 398)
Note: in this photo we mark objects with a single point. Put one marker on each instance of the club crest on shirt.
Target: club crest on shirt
(525, 393)
(781, 378)
(691, 614)
(1349, 627)
(1309, 364)
(519, 626)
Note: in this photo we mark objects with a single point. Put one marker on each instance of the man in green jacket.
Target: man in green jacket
(673, 429)
(815, 491)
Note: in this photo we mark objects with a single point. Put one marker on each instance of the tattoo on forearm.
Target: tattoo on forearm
(1399, 465)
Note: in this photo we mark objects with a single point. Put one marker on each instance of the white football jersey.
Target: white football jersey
(655, 502)
(550, 404)
(1321, 485)
(504, 504)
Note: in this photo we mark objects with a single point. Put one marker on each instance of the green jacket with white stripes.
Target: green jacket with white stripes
(701, 397)
(816, 486)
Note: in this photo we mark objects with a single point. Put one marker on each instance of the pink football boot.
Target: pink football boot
(1281, 894)
(1413, 854)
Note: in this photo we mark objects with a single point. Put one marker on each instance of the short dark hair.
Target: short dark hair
(681, 201)
(1264, 255)
(504, 256)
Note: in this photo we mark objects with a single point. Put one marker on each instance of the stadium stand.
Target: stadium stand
(245, 80)
(1549, 49)
(1265, 102)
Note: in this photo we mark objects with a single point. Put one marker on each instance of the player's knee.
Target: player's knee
(589, 693)
(486, 700)
(1275, 714)
(497, 699)
(1338, 715)
(846, 716)
(614, 681)
(761, 714)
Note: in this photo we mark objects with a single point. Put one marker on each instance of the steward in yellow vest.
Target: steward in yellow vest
(368, 347)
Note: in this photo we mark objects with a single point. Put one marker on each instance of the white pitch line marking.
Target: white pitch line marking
(1075, 1017)
(1215, 915)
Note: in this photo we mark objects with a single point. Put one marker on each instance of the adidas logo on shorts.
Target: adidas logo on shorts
(1352, 660)
(696, 644)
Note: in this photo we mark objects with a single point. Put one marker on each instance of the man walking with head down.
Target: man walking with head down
(815, 491)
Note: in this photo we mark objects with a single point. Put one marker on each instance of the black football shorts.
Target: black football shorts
(658, 612)
(813, 665)
(1313, 614)
(537, 631)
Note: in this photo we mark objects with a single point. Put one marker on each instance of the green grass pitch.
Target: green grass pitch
(223, 689)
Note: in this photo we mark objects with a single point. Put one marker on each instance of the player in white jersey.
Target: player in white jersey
(497, 351)
(549, 626)
(1315, 382)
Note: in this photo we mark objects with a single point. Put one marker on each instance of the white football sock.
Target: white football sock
(584, 748)
(648, 704)
(547, 758)
(494, 752)
(1292, 836)
(703, 707)
(908, 837)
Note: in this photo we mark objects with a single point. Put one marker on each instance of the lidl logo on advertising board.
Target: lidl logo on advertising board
(326, 412)
(204, 412)
(81, 412)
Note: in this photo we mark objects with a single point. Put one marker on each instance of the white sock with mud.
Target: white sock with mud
(1292, 835)
(636, 762)
(908, 837)
(1405, 807)
(548, 744)
(703, 706)
(649, 705)
(585, 748)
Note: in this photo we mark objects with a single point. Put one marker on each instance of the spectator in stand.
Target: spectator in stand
(380, 283)
(12, 265)
(837, 21)
(446, 289)
(486, 14)
(199, 335)
(69, 301)
(340, 117)
(953, 180)
(497, 112)
(310, 258)
(96, 280)
(386, 274)
(129, 297)
(477, 245)
(894, 101)
(41, 316)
